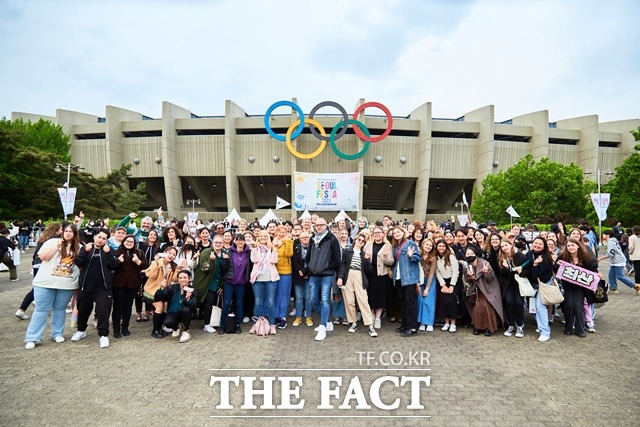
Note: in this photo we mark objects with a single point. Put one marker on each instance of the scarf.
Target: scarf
(317, 238)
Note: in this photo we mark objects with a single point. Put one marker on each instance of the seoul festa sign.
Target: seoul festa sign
(326, 191)
(338, 131)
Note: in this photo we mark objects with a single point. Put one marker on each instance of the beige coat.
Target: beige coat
(384, 259)
(634, 248)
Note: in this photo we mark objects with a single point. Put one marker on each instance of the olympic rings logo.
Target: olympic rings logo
(338, 131)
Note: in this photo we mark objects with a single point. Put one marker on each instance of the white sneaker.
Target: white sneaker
(30, 345)
(544, 338)
(519, 331)
(445, 327)
(79, 336)
(377, 323)
(591, 327)
(372, 331)
(422, 328)
(429, 328)
(329, 326)
(509, 332)
(104, 342)
(20, 314)
(453, 328)
(186, 336)
(209, 329)
(176, 333)
(68, 311)
(167, 330)
(322, 333)
(245, 319)
(59, 339)
(353, 328)
(293, 312)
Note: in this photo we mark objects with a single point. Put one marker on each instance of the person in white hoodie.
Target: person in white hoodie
(617, 261)
(634, 251)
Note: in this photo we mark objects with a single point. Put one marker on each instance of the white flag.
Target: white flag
(305, 214)
(464, 199)
(68, 199)
(601, 203)
(463, 220)
(280, 203)
(512, 212)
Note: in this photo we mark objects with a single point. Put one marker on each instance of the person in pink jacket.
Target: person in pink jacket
(264, 277)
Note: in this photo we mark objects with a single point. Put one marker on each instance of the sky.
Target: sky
(571, 57)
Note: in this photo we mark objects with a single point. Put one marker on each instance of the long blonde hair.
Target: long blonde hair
(264, 233)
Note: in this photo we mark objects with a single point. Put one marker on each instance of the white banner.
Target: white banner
(463, 220)
(68, 199)
(281, 203)
(192, 217)
(511, 211)
(327, 191)
(601, 204)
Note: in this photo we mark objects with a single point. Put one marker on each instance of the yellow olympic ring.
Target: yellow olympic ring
(295, 152)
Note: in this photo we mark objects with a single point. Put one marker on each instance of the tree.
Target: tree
(29, 182)
(543, 190)
(625, 188)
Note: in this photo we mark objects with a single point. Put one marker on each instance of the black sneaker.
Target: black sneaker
(157, 334)
(238, 329)
(125, 333)
(283, 323)
(221, 331)
(117, 334)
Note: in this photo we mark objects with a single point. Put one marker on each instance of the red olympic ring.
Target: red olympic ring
(386, 111)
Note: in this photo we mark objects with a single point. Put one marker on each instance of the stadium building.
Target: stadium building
(420, 168)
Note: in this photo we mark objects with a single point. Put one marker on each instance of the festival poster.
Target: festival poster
(327, 191)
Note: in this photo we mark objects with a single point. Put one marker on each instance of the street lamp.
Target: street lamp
(193, 204)
(59, 167)
(598, 175)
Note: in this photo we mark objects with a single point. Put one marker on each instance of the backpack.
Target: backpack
(261, 328)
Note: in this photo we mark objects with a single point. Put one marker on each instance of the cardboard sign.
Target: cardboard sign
(578, 275)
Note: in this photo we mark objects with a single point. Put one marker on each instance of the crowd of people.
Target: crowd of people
(220, 276)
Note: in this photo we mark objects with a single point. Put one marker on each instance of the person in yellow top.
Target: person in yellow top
(283, 243)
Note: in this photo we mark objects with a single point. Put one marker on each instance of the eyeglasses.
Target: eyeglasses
(217, 243)
(321, 225)
(360, 240)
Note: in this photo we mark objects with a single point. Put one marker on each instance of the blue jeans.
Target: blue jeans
(265, 297)
(47, 300)
(23, 242)
(228, 292)
(303, 299)
(542, 315)
(283, 294)
(320, 293)
(617, 273)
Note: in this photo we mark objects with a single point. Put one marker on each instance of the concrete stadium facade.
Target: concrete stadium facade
(418, 171)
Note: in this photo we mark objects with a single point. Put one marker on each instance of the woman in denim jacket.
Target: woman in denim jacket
(406, 277)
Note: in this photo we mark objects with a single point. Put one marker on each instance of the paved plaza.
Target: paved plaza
(474, 380)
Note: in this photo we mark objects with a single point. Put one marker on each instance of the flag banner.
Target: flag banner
(268, 217)
(512, 212)
(578, 275)
(281, 203)
(464, 199)
(601, 204)
(463, 220)
(327, 191)
(68, 199)
(305, 215)
(192, 217)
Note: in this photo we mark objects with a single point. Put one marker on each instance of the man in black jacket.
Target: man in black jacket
(97, 264)
(323, 262)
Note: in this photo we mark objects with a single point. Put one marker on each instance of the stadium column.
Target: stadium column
(485, 145)
(231, 112)
(588, 146)
(363, 119)
(114, 139)
(66, 119)
(169, 157)
(423, 115)
(539, 123)
(294, 165)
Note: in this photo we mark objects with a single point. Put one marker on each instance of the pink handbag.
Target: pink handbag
(261, 328)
